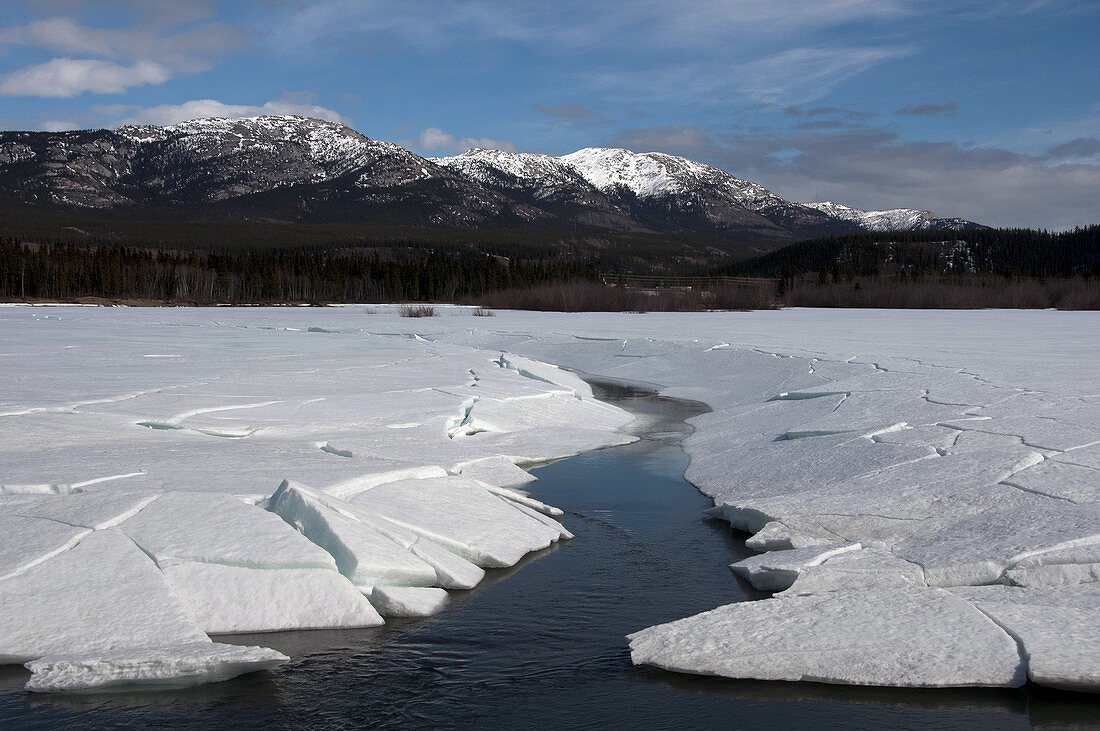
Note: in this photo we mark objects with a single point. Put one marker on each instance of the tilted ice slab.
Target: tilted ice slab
(464, 517)
(363, 554)
(856, 570)
(777, 570)
(915, 637)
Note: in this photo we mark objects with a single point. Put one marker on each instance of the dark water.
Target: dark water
(542, 644)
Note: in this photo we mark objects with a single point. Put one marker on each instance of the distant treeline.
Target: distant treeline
(70, 272)
(1004, 252)
(999, 268)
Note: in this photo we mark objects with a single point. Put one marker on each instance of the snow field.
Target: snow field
(879, 457)
(924, 483)
(149, 502)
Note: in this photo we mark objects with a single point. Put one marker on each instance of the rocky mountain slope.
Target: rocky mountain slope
(296, 169)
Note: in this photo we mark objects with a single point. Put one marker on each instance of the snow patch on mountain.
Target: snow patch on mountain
(891, 219)
(543, 173)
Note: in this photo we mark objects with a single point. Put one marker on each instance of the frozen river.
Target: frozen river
(922, 487)
(542, 644)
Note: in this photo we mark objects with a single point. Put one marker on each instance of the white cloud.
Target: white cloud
(110, 60)
(801, 75)
(435, 140)
(196, 108)
(577, 24)
(69, 77)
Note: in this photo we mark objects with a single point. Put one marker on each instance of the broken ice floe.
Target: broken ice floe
(917, 637)
(1055, 628)
(951, 454)
(408, 601)
(131, 469)
(993, 476)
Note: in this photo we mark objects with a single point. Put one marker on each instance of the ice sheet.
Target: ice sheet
(929, 437)
(230, 599)
(916, 637)
(102, 595)
(1056, 630)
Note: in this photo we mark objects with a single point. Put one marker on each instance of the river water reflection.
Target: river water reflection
(542, 644)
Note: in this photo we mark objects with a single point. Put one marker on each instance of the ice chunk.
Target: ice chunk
(229, 599)
(1078, 564)
(1056, 629)
(979, 548)
(352, 487)
(451, 570)
(917, 637)
(777, 570)
(102, 595)
(162, 667)
(406, 601)
(1060, 480)
(776, 535)
(1061, 644)
(461, 515)
(362, 554)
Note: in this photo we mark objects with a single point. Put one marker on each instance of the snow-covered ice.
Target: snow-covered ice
(887, 460)
(159, 667)
(919, 637)
(166, 455)
(408, 601)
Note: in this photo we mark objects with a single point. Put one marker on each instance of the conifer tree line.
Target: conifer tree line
(68, 272)
(1015, 253)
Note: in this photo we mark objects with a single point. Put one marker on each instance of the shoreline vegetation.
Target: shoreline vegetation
(1001, 269)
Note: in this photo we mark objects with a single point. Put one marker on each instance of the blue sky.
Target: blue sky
(985, 109)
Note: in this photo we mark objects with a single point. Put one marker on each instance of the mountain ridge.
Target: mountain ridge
(303, 170)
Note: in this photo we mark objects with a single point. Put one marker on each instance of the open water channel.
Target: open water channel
(542, 645)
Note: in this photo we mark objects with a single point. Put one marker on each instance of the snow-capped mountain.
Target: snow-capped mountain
(550, 183)
(297, 169)
(660, 192)
(282, 167)
(226, 158)
(891, 219)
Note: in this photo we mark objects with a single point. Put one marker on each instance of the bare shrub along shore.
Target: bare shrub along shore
(579, 296)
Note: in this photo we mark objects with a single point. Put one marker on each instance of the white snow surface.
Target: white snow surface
(953, 448)
(156, 470)
(914, 638)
